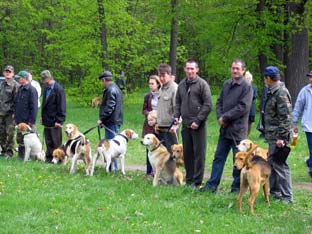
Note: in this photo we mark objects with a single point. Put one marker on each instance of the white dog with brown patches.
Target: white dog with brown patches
(76, 147)
(33, 146)
(114, 148)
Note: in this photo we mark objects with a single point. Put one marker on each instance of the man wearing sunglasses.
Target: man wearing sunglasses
(8, 92)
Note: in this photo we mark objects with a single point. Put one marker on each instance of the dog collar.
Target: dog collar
(156, 147)
(123, 137)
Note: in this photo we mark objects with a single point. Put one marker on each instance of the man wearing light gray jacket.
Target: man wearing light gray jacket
(303, 110)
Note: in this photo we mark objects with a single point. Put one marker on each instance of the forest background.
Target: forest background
(78, 39)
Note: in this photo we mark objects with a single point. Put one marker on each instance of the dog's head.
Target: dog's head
(71, 131)
(177, 154)
(240, 160)
(58, 156)
(23, 127)
(245, 145)
(152, 118)
(150, 140)
(130, 134)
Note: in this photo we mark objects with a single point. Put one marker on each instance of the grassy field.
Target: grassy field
(43, 198)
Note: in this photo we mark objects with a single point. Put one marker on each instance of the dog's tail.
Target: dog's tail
(249, 156)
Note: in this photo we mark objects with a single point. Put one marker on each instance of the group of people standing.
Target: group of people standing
(19, 102)
(190, 103)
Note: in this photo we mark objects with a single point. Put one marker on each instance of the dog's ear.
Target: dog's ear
(128, 133)
(155, 140)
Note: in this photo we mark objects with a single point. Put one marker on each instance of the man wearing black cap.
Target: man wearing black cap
(53, 112)
(303, 110)
(110, 116)
(26, 107)
(278, 122)
(8, 92)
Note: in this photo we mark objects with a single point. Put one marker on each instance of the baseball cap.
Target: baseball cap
(9, 68)
(272, 72)
(21, 74)
(310, 73)
(107, 75)
(46, 76)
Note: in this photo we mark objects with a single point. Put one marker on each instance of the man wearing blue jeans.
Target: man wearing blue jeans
(111, 115)
(232, 108)
(303, 110)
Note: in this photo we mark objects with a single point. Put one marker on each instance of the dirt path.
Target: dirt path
(305, 186)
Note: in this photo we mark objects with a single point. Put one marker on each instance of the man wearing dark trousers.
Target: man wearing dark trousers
(53, 112)
(26, 108)
(232, 108)
(193, 104)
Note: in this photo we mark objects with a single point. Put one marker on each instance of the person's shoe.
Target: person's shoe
(286, 201)
(8, 156)
(207, 189)
(234, 190)
(309, 167)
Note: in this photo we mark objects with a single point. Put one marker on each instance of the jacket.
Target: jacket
(111, 107)
(193, 101)
(166, 104)
(26, 104)
(277, 114)
(8, 92)
(54, 107)
(233, 105)
(303, 108)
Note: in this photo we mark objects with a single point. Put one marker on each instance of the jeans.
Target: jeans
(223, 148)
(309, 140)
(111, 130)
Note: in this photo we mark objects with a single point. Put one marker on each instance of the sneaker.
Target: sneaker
(207, 189)
(309, 168)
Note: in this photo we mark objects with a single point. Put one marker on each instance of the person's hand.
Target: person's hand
(220, 122)
(295, 128)
(280, 143)
(57, 125)
(99, 122)
(194, 126)
(174, 129)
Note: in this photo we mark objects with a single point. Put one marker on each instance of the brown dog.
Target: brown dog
(163, 165)
(246, 144)
(254, 174)
(177, 154)
(96, 102)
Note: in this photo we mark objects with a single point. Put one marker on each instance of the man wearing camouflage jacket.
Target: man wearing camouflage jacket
(278, 123)
(8, 92)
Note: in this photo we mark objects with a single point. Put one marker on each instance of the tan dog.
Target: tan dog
(246, 145)
(152, 118)
(96, 102)
(163, 165)
(255, 172)
(76, 147)
(177, 154)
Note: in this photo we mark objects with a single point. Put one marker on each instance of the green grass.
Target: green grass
(43, 198)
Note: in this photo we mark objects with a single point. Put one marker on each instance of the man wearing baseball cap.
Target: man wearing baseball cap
(111, 109)
(278, 122)
(303, 110)
(26, 107)
(8, 92)
(53, 112)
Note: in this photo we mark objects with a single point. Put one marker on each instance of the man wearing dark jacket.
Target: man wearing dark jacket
(111, 116)
(232, 108)
(193, 104)
(26, 107)
(53, 112)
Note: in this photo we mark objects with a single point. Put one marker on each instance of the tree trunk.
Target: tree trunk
(261, 56)
(173, 38)
(297, 61)
(103, 53)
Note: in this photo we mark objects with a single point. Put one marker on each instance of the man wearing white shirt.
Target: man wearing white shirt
(35, 84)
